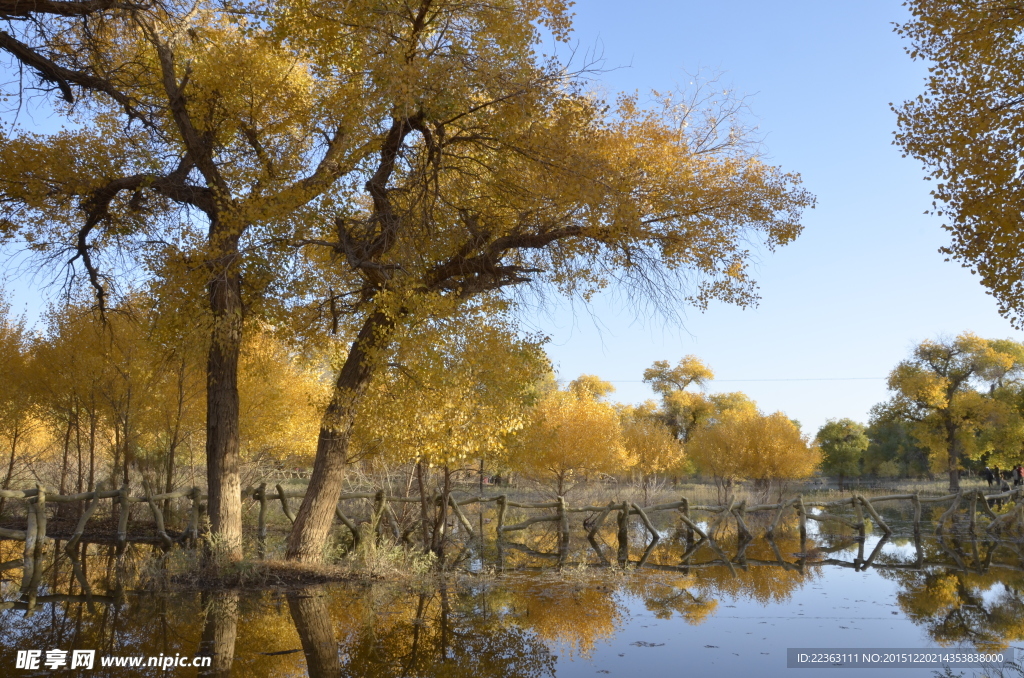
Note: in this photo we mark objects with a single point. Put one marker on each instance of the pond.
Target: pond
(725, 607)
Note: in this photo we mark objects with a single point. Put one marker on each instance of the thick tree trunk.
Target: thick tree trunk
(219, 633)
(954, 480)
(316, 632)
(424, 517)
(953, 445)
(224, 486)
(441, 519)
(92, 450)
(316, 514)
(10, 466)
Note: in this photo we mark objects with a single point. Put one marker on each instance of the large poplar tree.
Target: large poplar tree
(944, 389)
(966, 129)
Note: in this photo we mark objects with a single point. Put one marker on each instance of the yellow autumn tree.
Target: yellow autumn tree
(281, 398)
(454, 388)
(571, 433)
(575, 618)
(684, 410)
(747, 445)
(964, 128)
(18, 415)
(649, 443)
(942, 390)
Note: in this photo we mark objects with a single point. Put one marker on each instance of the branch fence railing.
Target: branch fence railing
(37, 499)
(35, 535)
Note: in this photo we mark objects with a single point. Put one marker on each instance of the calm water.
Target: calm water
(724, 611)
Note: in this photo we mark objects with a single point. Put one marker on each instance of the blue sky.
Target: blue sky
(865, 281)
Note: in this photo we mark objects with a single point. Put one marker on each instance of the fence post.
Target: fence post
(973, 510)
(158, 516)
(685, 511)
(40, 516)
(722, 515)
(599, 520)
(349, 524)
(563, 526)
(122, 519)
(874, 514)
(284, 504)
(741, 524)
(917, 514)
(29, 552)
(261, 524)
(501, 515)
(376, 524)
(770, 531)
(463, 520)
(624, 534)
(193, 522)
(801, 511)
(90, 508)
(859, 512)
(950, 512)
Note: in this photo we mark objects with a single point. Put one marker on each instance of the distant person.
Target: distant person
(1003, 487)
(988, 476)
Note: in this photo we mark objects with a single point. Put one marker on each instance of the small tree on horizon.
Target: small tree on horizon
(843, 443)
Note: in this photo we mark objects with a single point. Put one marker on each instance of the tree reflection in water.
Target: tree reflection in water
(977, 601)
(511, 624)
(220, 632)
(448, 634)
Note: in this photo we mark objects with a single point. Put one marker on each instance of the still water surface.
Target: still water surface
(727, 610)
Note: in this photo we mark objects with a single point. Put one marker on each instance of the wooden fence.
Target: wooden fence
(383, 518)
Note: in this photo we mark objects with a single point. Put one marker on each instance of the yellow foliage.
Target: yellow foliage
(649, 443)
(570, 433)
(589, 386)
(965, 127)
(666, 379)
(453, 391)
(937, 390)
(749, 445)
(280, 400)
(574, 616)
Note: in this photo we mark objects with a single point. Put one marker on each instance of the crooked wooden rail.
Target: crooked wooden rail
(383, 516)
(382, 519)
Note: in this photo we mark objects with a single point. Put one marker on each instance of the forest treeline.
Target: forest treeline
(120, 399)
(100, 401)
(957, 404)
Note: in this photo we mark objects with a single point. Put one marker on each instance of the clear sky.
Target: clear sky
(865, 281)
